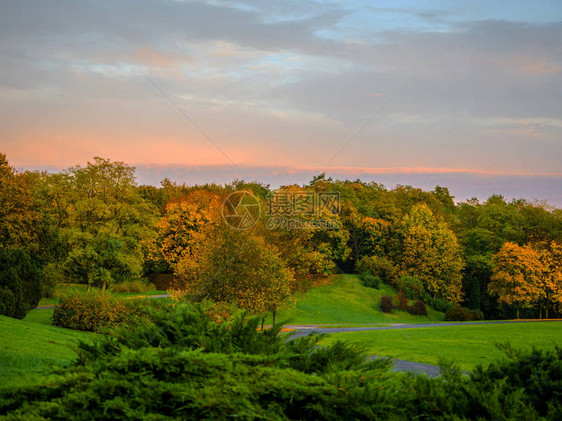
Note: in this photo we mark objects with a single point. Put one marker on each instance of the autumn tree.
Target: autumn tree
(18, 214)
(516, 275)
(430, 251)
(550, 283)
(236, 266)
(186, 223)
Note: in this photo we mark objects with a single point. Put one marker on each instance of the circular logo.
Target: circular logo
(241, 210)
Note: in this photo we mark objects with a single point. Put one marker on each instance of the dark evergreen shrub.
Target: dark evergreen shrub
(20, 283)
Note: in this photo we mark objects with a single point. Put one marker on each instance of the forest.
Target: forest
(95, 225)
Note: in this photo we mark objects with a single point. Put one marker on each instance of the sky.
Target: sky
(464, 94)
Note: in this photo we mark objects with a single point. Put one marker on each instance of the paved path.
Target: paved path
(303, 330)
(399, 365)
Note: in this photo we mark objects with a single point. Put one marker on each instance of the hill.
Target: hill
(346, 301)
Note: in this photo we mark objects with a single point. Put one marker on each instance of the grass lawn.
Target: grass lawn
(73, 288)
(467, 345)
(347, 301)
(28, 348)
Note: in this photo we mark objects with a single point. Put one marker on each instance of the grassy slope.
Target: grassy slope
(467, 345)
(347, 301)
(74, 288)
(28, 348)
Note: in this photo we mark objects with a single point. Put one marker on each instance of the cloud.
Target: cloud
(282, 83)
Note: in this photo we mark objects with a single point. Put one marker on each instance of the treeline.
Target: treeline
(94, 225)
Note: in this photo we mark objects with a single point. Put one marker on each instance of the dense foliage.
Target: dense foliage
(184, 365)
(20, 283)
(94, 225)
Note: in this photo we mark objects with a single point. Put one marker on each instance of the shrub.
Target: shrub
(378, 266)
(96, 310)
(182, 365)
(458, 313)
(418, 308)
(402, 301)
(411, 284)
(53, 275)
(476, 314)
(20, 283)
(370, 281)
(137, 286)
(386, 304)
(439, 304)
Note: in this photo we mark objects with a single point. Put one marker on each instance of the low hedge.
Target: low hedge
(98, 310)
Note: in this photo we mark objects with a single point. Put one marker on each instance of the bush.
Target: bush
(402, 301)
(476, 314)
(418, 309)
(137, 286)
(458, 313)
(378, 266)
(410, 285)
(53, 275)
(439, 304)
(386, 304)
(182, 365)
(20, 283)
(97, 310)
(370, 281)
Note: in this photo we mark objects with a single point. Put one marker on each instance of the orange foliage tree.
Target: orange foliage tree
(517, 273)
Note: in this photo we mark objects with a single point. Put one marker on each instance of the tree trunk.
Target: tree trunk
(274, 312)
(517, 312)
(262, 322)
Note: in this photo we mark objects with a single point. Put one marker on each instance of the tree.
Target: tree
(186, 223)
(516, 275)
(550, 283)
(18, 215)
(20, 283)
(104, 221)
(235, 266)
(430, 252)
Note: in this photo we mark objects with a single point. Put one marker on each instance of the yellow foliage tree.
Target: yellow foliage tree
(517, 273)
(431, 252)
(550, 255)
(185, 224)
(236, 266)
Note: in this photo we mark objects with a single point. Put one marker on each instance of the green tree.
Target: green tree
(104, 221)
(235, 266)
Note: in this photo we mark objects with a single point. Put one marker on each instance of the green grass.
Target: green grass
(467, 345)
(347, 301)
(42, 316)
(28, 349)
(63, 290)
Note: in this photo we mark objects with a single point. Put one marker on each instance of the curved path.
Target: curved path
(399, 365)
(303, 330)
